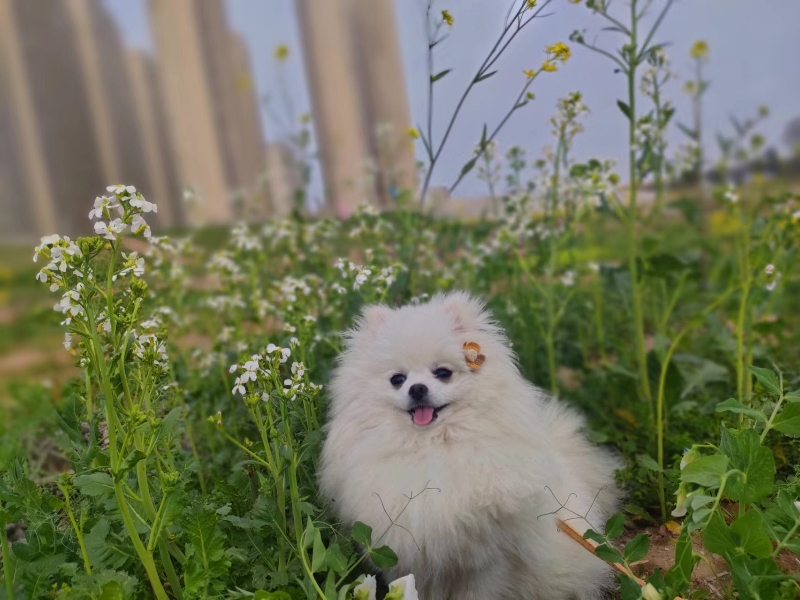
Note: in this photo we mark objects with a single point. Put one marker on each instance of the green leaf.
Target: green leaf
(768, 380)
(750, 535)
(278, 595)
(484, 76)
(309, 533)
(734, 406)
(173, 506)
(751, 458)
(95, 484)
(615, 526)
(439, 75)
(335, 559)
(206, 565)
(383, 557)
(168, 424)
(469, 166)
(647, 461)
(103, 552)
(706, 470)
(626, 110)
(608, 554)
(318, 553)
(679, 576)
(362, 534)
(637, 548)
(129, 463)
(717, 537)
(629, 588)
(788, 421)
(792, 396)
(591, 534)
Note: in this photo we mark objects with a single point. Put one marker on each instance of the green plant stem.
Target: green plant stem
(78, 532)
(298, 525)
(8, 573)
(782, 544)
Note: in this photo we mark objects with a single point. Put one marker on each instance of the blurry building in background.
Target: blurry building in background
(212, 110)
(69, 119)
(359, 100)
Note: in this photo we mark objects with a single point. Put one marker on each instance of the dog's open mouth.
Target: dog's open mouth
(425, 415)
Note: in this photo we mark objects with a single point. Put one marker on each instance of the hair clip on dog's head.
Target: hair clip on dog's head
(473, 356)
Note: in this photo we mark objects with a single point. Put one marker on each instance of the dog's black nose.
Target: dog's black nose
(418, 391)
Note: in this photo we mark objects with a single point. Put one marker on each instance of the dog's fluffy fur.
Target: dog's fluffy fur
(481, 530)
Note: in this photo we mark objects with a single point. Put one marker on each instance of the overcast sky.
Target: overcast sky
(755, 60)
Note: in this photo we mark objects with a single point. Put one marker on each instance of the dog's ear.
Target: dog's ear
(374, 317)
(467, 313)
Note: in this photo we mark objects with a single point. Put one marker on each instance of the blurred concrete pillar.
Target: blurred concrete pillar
(89, 54)
(249, 132)
(190, 104)
(377, 46)
(28, 135)
(146, 99)
(336, 101)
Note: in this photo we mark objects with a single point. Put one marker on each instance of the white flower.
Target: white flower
(238, 387)
(406, 587)
(233, 368)
(103, 204)
(109, 230)
(120, 189)
(294, 342)
(730, 195)
(769, 269)
(797, 505)
(272, 348)
(568, 278)
(366, 590)
(67, 340)
(139, 225)
(138, 201)
(250, 371)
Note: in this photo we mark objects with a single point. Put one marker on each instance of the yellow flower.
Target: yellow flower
(549, 66)
(559, 51)
(412, 132)
(531, 4)
(447, 17)
(699, 50)
(282, 52)
(529, 73)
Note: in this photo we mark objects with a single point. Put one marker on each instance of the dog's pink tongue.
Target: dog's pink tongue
(423, 415)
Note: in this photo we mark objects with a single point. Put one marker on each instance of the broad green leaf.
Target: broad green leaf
(648, 462)
(95, 484)
(173, 506)
(318, 553)
(706, 470)
(788, 420)
(608, 554)
(679, 576)
(768, 380)
(717, 537)
(103, 552)
(751, 458)
(335, 559)
(206, 565)
(615, 526)
(750, 535)
(439, 75)
(362, 534)
(629, 589)
(129, 463)
(734, 406)
(792, 396)
(383, 557)
(637, 548)
(700, 500)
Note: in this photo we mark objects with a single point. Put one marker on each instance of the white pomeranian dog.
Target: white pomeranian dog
(459, 464)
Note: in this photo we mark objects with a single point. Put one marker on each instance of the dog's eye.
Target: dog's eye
(397, 379)
(442, 373)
